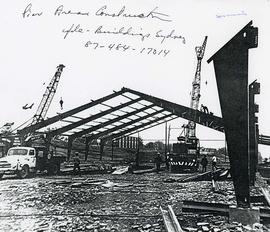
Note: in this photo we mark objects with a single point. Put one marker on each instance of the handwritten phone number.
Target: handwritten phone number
(124, 48)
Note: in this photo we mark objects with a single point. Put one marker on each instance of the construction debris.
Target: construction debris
(114, 202)
(120, 170)
(219, 174)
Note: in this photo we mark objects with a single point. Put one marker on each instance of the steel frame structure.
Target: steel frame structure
(139, 112)
(142, 111)
(231, 70)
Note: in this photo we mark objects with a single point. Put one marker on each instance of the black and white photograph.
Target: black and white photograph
(135, 116)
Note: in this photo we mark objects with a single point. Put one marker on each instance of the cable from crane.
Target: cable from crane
(48, 96)
(20, 126)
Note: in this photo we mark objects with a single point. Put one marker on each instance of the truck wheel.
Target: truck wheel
(33, 174)
(24, 172)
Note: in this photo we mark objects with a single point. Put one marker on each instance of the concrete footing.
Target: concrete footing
(246, 216)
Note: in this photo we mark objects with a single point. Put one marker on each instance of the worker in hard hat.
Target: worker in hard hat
(204, 163)
(158, 162)
(214, 163)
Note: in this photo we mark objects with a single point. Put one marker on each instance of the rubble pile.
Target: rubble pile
(110, 203)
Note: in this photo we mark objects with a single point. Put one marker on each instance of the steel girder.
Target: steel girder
(143, 127)
(231, 70)
(264, 139)
(68, 113)
(197, 116)
(100, 134)
(254, 88)
(119, 134)
(135, 128)
(202, 118)
(91, 118)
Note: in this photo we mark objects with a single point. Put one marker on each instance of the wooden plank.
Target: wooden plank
(144, 171)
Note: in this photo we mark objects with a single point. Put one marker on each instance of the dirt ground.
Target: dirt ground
(108, 202)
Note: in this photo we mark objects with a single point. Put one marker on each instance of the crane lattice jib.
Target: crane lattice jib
(196, 88)
(48, 96)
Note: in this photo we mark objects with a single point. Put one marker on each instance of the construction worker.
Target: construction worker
(77, 162)
(50, 155)
(214, 163)
(168, 161)
(158, 161)
(204, 163)
(204, 109)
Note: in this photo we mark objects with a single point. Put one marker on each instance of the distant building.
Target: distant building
(127, 142)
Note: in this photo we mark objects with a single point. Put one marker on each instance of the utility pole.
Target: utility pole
(166, 137)
(169, 134)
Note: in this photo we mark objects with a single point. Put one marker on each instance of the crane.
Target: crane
(45, 102)
(41, 112)
(186, 151)
(48, 96)
(196, 88)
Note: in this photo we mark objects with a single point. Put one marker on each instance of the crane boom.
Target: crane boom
(48, 96)
(196, 88)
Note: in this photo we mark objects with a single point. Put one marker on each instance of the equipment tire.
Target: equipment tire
(24, 173)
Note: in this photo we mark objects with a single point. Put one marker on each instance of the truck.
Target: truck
(27, 161)
(184, 156)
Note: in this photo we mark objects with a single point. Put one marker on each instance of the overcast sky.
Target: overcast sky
(32, 46)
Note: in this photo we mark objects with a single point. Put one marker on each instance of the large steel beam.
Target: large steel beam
(91, 118)
(231, 70)
(110, 122)
(69, 147)
(263, 139)
(87, 141)
(103, 133)
(143, 128)
(69, 113)
(199, 117)
(135, 128)
(254, 88)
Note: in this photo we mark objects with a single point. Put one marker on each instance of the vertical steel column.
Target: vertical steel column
(231, 70)
(254, 88)
(101, 148)
(256, 147)
(112, 142)
(69, 148)
(87, 140)
(47, 141)
(137, 154)
(165, 149)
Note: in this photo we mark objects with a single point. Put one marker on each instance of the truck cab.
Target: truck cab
(24, 161)
(19, 160)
